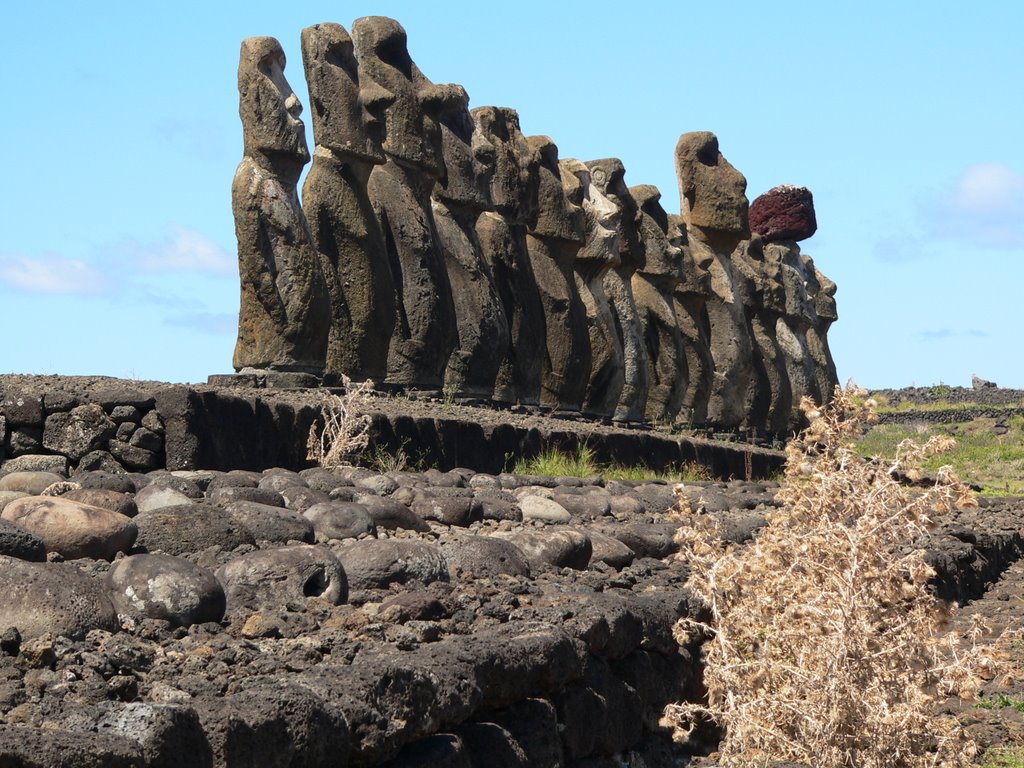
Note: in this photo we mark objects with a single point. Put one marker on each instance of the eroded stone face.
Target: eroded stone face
(348, 115)
(269, 107)
(469, 158)
(412, 134)
(559, 217)
(712, 192)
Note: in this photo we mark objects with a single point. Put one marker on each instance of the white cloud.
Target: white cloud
(184, 251)
(986, 207)
(53, 275)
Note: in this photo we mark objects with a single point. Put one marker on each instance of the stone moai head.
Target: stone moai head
(515, 177)
(661, 258)
(712, 194)
(696, 263)
(348, 115)
(469, 158)
(558, 216)
(609, 176)
(412, 134)
(601, 214)
(269, 108)
(821, 291)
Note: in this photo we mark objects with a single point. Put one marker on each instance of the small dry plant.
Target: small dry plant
(343, 429)
(825, 645)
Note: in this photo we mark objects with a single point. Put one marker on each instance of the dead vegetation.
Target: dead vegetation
(825, 645)
(342, 432)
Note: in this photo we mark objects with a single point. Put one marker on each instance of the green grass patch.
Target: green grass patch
(1001, 701)
(582, 462)
(994, 462)
(1003, 757)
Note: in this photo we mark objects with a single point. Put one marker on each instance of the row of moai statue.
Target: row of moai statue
(437, 248)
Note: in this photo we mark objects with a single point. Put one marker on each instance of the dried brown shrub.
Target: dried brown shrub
(826, 646)
(343, 430)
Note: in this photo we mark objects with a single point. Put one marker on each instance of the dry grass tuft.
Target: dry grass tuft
(825, 645)
(343, 430)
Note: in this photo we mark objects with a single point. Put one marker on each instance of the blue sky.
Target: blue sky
(905, 121)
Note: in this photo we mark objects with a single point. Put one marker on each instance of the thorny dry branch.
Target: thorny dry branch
(345, 429)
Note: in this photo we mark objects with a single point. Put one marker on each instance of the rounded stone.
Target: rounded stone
(165, 587)
(390, 514)
(121, 503)
(107, 481)
(17, 542)
(285, 577)
(32, 483)
(340, 520)
(225, 495)
(300, 498)
(273, 524)
(155, 496)
(52, 597)
(546, 510)
(377, 563)
(484, 557)
(562, 548)
(609, 550)
(71, 528)
(189, 528)
(6, 497)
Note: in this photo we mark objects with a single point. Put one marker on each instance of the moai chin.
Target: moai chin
(608, 175)
(464, 194)
(348, 125)
(400, 192)
(284, 315)
(689, 301)
(553, 243)
(514, 187)
(655, 280)
(599, 254)
(714, 206)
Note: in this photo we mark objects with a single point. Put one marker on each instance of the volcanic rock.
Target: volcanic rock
(71, 528)
(784, 213)
(165, 587)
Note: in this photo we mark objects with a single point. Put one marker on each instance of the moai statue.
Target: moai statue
(714, 205)
(348, 125)
(823, 294)
(608, 176)
(425, 333)
(599, 254)
(515, 183)
(552, 244)
(782, 216)
(284, 316)
(760, 285)
(483, 335)
(690, 304)
(655, 280)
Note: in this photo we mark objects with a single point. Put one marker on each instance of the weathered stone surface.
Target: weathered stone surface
(654, 282)
(133, 457)
(714, 206)
(52, 597)
(587, 506)
(608, 175)
(71, 528)
(37, 462)
(375, 564)
(300, 499)
(122, 503)
(156, 496)
(561, 547)
(425, 331)
(165, 587)
(348, 125)
(442, 750)
(22, 408)
(32, 483)
(284, 314)
(458, 201)
(451, 510)
(19, 542)
(600, 252)
(106, 481)
(533, 725)
(484, 557)
(785, 212)
(609, 550)
(514, 186)
(169, 735)
(273, 524)
(390, 514)
(553, 243)
(28, 747)
(540, 508)
(490, 744)
(340, 520)
(189, 528)
(285, 577)
(647, 539)
(78, 431)
(221, 497)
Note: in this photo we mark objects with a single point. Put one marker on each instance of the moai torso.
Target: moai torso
(689, 301)
(425, 332)
(792, 327)
(283, 317)
(348, 127)
(514, 188)
(483, 335)
(656, 277)
(553, 243)
(714, 206)
(599, 254)
(608, 175)
(823, 295)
